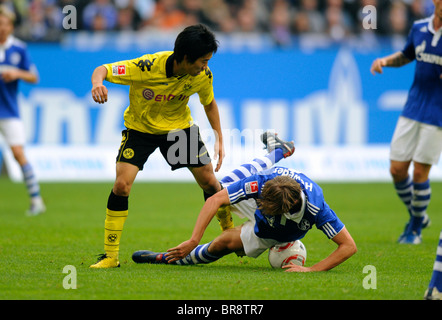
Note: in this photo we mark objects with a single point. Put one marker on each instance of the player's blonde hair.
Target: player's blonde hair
(5, 11)
(279, 195)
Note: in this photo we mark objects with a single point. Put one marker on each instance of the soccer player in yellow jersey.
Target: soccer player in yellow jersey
(158, 117)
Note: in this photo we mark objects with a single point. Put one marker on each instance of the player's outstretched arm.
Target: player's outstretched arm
(20, 74)
(397, 59)
(206, 215)
(212, 113)
(346, 248)
(99, 91)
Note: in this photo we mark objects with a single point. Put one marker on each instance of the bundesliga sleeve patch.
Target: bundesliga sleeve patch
(119, 70)
(251, 187)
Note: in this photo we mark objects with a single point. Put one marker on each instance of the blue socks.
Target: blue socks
(198, 255)
(416, 197)
(30, 181)
(253, 167)
(436, 279)
(404, 190)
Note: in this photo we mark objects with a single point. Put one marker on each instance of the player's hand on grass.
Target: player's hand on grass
(181, 251)
(295, 268)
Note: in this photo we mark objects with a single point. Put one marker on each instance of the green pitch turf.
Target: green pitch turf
(35, 250)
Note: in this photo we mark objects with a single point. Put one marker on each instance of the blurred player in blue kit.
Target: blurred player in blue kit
(281, 206)
(418, 135)
(16, 65)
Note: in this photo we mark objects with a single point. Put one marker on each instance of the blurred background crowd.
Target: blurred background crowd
(41, 20)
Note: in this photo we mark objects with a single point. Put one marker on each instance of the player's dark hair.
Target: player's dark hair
(194, 42)
(279, 195)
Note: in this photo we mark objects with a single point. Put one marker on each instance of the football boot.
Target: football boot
(105, 261)
(146, 256)
(272, 142)
(433, 294)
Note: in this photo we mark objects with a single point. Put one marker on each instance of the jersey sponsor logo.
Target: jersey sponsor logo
(145, 64)
(427, 57)
(251, 187)
(119, 70)
(148, 94)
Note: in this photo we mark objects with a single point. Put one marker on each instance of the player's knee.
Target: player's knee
(420, 175)
(210, 185)
(122, 187)
(398, 173)
(229, 241)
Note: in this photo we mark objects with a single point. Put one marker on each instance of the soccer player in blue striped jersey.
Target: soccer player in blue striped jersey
(418, 135)
(16, 65)
(281, 205)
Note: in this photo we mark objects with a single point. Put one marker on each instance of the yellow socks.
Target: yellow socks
(113, 228)
(224, 218)
(116, 215)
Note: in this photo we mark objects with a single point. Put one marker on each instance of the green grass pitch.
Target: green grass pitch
(35, 250)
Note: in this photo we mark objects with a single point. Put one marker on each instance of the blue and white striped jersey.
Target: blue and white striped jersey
(13, 55)
(424, 44)
(288, 226)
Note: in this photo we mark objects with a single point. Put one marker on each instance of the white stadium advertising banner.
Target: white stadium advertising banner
(339, 115)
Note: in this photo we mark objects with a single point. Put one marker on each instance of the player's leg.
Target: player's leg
(14, 134)
(427, 152)
(133, 153)
(434, 291)
(403, 146)
(421, 198)
(206, 179)
(203, 175)
(197, 159)
(32, 186)
(402, 181)
(278, 149)
(116, 214)
(227, 242)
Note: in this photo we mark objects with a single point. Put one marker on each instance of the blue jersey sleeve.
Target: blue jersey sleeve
(247, 188)
(409, 50)
(328, 222)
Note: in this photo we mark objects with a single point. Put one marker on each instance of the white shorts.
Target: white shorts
(13, 131)
(253, 245)
(416, 141)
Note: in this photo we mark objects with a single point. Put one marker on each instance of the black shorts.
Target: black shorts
(180, 148)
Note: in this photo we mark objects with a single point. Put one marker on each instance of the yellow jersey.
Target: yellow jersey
(158, 99)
